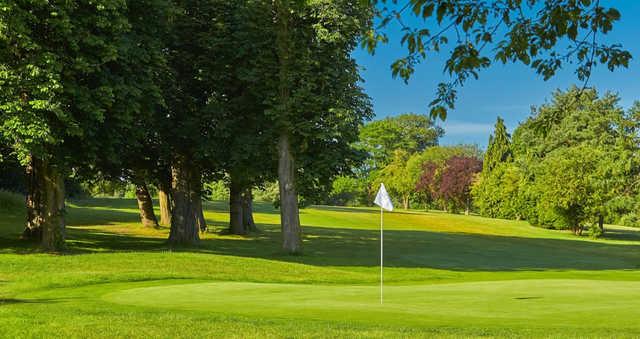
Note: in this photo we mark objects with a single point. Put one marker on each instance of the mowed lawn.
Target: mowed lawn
(446, 276)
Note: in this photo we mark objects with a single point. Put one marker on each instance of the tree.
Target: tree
(499, 149)
(500, 193)
(419, 168)
(455, 183)
(249, 156)
(194, 91)
(503, 31)
(429, 180)
(412, 133)
(575, 161)
(349, 191)
(496, 192)
(568, 183)
(56, 90)
(129, 144)
(145, 205)
(138, 147)
(319, 105)
(164, 196)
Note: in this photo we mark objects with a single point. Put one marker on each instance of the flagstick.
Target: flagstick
(381, 252)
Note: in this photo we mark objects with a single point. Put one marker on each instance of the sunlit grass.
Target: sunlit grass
(110, 252)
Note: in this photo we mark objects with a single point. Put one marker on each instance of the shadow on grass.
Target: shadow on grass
(621, 234)
(329, 246)
(410, 249)
(347, 209)
(366, 210)
(13, 301)
(109, 211)
(424, 249)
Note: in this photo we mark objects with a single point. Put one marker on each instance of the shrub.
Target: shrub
(216, 190)
(348, 191)
(270, 192)
(630, 219)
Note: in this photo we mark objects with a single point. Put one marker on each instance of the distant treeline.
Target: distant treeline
(573, 164)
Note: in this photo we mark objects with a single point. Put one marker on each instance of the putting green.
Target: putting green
(519, 303)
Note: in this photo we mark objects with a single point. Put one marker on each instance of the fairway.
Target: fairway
(446, 276)
(519, 303)
(319, 169)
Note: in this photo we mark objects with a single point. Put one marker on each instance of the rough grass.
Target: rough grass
(447, 276)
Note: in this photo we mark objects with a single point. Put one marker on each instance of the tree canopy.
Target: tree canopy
(169, 94)
(410, 132)
(574, 164)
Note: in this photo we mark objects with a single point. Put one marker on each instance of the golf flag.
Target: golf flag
(383, 199)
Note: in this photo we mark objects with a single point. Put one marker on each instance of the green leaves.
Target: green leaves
(499, 148)
(575, 158)
(408, 132)
(527, 32)
(56, 81)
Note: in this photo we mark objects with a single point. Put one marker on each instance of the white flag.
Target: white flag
(383, 199)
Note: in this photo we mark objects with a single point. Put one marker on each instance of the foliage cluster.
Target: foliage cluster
(572, 165)
(128, 96)
(175, 93)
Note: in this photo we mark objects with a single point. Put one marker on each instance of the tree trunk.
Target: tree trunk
(185, 190)
(45, 205)
(289, 217)
(405, 202)
(289, 214)
(164, 200)
(145, 205)
(33, 228)
(201, 221)
(53, 227)
(236, 224)
(247, 211)
(577, 230)
(601, 223)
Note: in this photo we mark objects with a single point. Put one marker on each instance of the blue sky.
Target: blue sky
(508, 90)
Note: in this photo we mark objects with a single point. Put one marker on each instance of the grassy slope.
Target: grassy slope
(84, 293)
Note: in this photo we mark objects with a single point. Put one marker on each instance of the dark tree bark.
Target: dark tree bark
(185, 187)
(45, 205)
(236, 224)
(247, 211)
(33, 228)
(601, 223)
(53, 226)
(577, 230)
(467, 206)
(145, 205)
(201, 221)
(289, 212)
(164, 200)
